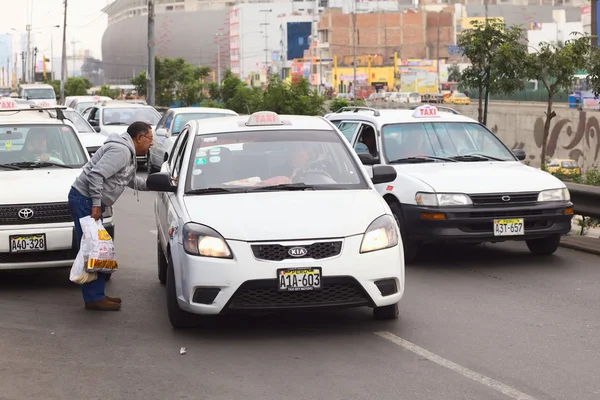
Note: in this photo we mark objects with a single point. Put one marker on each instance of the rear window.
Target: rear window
(569, 164)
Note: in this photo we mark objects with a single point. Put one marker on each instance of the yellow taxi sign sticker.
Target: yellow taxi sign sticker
(8, 146)
(263, 118)
(425, 111)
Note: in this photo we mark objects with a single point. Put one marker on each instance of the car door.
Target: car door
(348, 128)
(366, 141)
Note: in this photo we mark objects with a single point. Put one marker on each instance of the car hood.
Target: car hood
(287, 215)
(481, 177)
(89, 139)
(42, 185)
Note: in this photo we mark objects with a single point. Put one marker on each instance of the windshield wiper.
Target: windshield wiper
(38, 164)
(476, 157)
(419, 159)
(284, 186)
(9, 166)
(115, 123)
(212, 190)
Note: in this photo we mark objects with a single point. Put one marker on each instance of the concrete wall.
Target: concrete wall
(573, 134)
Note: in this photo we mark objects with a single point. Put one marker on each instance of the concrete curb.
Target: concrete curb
(581, 243)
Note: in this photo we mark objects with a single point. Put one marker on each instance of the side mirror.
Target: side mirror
(383, 174)
(520, 154)
(97, 128)
(93, 123)
(162, 132)
(160, 182)
(368, 159)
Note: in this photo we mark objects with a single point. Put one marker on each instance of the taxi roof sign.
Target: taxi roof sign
(264, 118)
(8, 104)
(425, 111)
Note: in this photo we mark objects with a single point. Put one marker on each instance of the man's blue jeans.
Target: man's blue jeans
(80, 207)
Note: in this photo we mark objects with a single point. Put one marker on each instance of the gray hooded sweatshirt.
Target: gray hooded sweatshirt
(112, 167)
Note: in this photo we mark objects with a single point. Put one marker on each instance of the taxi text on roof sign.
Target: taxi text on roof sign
(6, 104)
(262, 118)
(425, 111)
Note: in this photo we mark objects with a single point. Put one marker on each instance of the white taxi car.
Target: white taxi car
(170, 126)
(457, 182)
(269, 212)
(40, 157)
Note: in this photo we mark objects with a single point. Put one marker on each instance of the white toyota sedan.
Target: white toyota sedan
(273, 213)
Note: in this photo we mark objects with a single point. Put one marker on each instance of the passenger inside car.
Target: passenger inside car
(36, 147)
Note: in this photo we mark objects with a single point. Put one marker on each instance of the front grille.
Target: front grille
(263, 294)
(277, 252)
(49, 213)
(42, 256)
(518, 213)
(504, 199)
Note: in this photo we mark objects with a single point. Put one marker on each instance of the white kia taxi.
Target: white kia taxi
(269, 213)
(40, 157)
(456, 181)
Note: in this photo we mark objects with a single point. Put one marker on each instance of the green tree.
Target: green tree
(497, 57)
(105, 90)
(453, 73)
(555, 66)
(73, 86)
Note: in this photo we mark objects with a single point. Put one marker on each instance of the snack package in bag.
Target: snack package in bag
(98, 247)
(78, 274)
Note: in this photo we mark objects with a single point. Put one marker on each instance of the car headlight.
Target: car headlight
(108, 212)
(381, 234)
(555, 195)
(442, 199)
(200, 240)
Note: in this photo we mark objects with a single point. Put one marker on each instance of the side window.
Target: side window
(169, 121)
(161, 123)
(178, 156)
(366, 141)
(348, 129)
(174, 152)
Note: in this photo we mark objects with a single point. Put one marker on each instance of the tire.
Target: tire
(411, 247)
(544, 246)
(179, 319)
(163, 265)
(386, 313)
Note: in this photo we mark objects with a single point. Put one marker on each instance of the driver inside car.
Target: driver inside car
(299, 160)
(36, 147)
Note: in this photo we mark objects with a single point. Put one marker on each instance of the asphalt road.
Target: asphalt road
(487, 322)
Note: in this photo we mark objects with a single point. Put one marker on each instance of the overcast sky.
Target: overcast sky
(85, 23)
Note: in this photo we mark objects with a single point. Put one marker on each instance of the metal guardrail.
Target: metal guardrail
(586, 199)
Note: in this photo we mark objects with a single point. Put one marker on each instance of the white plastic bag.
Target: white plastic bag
(98, 247)
(78, 273)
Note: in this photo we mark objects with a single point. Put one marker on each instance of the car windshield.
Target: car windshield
(182, 119)
(28, 144)
(459, 95)
(462, 141)
(80, 124)
(83, 105)
(128, 115)
(272, 160)
(569, 164)
(39, 94)
(4, 92)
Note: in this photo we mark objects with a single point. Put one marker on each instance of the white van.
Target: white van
(38, 93)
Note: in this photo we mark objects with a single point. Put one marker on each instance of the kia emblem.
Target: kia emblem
(297, 252)
(505, 198)
(25, 213)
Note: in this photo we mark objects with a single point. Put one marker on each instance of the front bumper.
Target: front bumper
(246, 284)
(476, 224)
(61, 245)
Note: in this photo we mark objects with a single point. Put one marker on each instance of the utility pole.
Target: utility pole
(218, 38)
(150, 73)
(63, 64)
(23, 66)
(2, 77)
(33, 60)
(15, 79)
(266, 24)
(437, 52)
(354, 51)
(28, 28)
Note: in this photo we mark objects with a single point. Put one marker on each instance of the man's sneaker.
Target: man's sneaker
(102, 305)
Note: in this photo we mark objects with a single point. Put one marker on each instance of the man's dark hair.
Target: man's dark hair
(138, 128)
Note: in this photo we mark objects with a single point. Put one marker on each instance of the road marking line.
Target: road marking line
(477, 377)
(154, 231)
